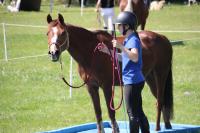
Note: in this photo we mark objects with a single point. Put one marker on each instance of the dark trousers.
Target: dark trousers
(135, 111)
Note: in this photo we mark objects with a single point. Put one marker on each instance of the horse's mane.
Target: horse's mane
(99, 35)
(104, 37)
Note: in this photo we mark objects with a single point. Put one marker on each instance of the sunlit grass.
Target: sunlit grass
(33, 97)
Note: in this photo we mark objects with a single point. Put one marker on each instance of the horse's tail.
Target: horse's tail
(168, 97)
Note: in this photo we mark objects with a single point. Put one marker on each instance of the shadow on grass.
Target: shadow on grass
(177, 42)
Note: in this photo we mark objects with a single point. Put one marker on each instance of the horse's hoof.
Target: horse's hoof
(115, 127)
(100, 128)
(102, 131)
(157, 128)
(116, 130)
(168, 125)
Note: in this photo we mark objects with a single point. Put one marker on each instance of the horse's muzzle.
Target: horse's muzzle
(54, 56)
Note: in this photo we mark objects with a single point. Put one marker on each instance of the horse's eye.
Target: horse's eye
(47, 33)
(63, 33)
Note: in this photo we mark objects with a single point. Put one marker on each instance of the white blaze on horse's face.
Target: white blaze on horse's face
(54, 38)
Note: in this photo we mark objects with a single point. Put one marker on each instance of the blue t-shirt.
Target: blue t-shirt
(132, 71)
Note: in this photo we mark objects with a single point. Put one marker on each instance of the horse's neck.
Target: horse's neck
(79, 46)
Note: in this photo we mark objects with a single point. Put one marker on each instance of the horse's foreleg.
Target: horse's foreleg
(93, 90)
(144, 16)
(69, 3)
(108, 94)
(143, 25)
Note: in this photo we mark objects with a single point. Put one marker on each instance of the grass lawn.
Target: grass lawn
(33, 98)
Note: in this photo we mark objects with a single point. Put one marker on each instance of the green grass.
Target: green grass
(33, 98)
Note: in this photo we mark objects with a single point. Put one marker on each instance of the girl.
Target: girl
(132, 75)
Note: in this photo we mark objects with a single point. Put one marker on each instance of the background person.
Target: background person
(106, 9)
(14, 6)
(25, 5)
(1, 2)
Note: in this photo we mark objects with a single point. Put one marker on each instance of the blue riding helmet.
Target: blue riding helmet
(128, 18)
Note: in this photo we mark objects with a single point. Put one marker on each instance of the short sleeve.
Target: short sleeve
(133, 43)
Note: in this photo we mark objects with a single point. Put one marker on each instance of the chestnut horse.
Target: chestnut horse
(140, 9)
(95, 68)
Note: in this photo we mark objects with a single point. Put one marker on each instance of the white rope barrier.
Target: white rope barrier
(163, 31)
(22, 25)
(24, 57)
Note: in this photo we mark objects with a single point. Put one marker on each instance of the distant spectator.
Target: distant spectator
(14, 6)
(26, 5)
(106, 8)
(30, 5)
(68, 4)
(1, 2)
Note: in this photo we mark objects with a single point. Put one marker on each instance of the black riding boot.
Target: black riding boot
(134, 125)
(144, 125)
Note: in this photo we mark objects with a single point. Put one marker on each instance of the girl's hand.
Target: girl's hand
(116, 44)
(96, 9)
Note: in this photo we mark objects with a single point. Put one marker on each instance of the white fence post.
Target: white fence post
(51, 6)
(5, 46)
(82, 7)
(71, 76)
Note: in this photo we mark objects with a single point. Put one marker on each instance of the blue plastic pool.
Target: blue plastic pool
(91, 128)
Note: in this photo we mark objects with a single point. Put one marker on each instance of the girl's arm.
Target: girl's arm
(98, 5)
(105, 50)
(131, 53)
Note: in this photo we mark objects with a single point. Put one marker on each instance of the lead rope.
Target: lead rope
(61, 65)
(115, 61)
(119, 77)
(63, 78)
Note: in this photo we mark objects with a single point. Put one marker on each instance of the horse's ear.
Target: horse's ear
(61, 19)
(49, 18)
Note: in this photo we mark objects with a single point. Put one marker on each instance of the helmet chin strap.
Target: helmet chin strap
(124, 30)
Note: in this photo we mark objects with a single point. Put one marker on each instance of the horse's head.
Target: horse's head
(58, 39)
